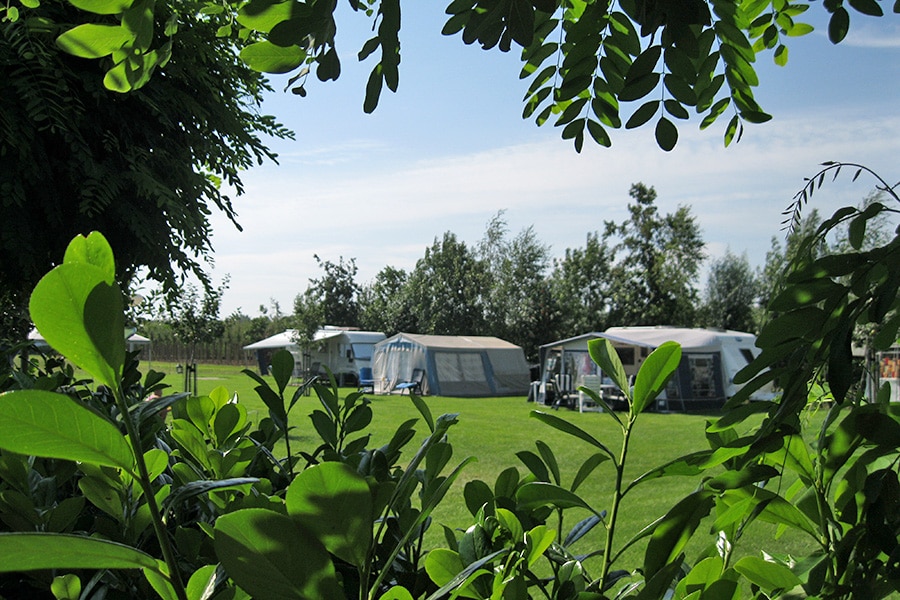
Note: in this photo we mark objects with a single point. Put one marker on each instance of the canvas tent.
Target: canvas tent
(705, 378)
(133, 340)
(342, 350)
(467, 366)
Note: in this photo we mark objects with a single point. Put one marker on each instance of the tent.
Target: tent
(466, 366)
(133, 340)
(704, 380)
(342, 350)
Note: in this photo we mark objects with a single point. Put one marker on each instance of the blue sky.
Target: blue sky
(450, 149)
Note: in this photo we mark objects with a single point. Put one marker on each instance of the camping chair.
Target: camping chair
(414, 385)
(585, 402)
(564, 392)
(366, 380)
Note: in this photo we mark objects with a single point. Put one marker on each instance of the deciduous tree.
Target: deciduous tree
(146, 168)
(731, 295)
(658, 261)
(445, 290)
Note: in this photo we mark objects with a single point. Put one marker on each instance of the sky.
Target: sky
(450, 149)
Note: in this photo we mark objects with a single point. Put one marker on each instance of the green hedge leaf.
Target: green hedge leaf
(51, 425)
(538, 493)
(272, 556)
(571, 429)
(78, 309)
(767, 575)
(33, 551)
(674, 531)
(334, 503)
(653, 375)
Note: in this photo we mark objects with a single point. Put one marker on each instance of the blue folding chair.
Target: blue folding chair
(414, 385)
(366, 380)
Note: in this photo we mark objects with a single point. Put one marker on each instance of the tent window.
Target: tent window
(703, 382)
(456, 366)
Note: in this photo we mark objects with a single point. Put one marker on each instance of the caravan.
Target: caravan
(704, 380)
(342, 350)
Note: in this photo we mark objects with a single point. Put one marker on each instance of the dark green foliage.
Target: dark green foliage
(143, 167)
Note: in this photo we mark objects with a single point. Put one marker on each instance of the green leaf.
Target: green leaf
(637, 88)
(604, 354)
(732, 130)
(332, 501)
(266, 57)
(653, 375)
(598, 133)
(263, 15)
(642, 114)
(34, 551)
(586, 468)
(538, 493)
(79, 311)
(769, 576)
(666, 134)
(92, 250)
(838, 25)
(91, 40)
(282, 369)
(102, 7)
(781, 55)
(867, 7)
(571, 429)
(476, 494)
(396, 593)
(674, 530)
(272, 556)
(644, 64)
(66, 587)
(51, 425)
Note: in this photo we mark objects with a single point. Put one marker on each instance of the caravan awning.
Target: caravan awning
(279, 340)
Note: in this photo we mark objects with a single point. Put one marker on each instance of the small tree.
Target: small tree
(194, 319)
(732, 291)
(654, 278)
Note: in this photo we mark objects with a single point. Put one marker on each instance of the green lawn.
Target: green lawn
(494, 429)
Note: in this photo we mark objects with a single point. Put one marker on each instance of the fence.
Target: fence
(217, 353)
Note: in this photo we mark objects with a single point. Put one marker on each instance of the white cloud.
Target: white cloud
(387, 211)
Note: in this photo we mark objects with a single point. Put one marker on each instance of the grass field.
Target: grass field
(494, 429)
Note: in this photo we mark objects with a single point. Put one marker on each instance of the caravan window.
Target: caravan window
(363, 351)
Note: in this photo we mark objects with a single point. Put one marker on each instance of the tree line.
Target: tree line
(642, 271)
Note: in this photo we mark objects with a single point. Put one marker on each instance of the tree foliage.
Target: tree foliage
(732, 291)
(445, 289)
(658, 260)
(519, 306)
(147, 167)
(593, 66)
(383, 305)
(580, 283)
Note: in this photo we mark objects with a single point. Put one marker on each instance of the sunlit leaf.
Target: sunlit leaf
(653, 375)
(102, 7)
(266, 57)
(93, 40)
(33, 551)
(51, 425)
(78, 309)
(769, 576)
